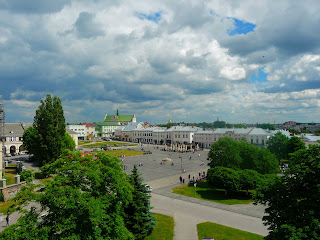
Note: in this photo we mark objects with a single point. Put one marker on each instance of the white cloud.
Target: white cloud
(99, 56)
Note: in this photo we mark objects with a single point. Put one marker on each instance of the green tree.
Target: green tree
(68, 142)
(225, 178)
(27, 175)
(225, 153)
(249, 179)
(45, 139)
(294, 144)
(85, 200)
(139, 219)
(241, 155)
(219, 124)
(266, 126)
(277, 144)
(293, 201)
(31, 139)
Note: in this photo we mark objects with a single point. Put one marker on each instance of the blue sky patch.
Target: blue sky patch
(261, 77)
(154, 17)
(241, 27)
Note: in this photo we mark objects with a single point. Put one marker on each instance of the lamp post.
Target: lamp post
(181, 162)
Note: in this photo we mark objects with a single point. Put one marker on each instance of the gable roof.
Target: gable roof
(106, 124)
(15, 129)
(120, 118)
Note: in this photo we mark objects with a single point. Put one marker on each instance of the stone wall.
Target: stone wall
(10, 191)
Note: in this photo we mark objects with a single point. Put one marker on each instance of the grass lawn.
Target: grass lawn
(220, 232)
(205, 192)
(127, 153)
(164, 228)
(9, 175)
(4, 206)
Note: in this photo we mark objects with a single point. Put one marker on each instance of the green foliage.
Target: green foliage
(1, 196)
(138, 218)
(27, 175)
(85, 200)
(225, 178)
(266, 126)
(241, 155)
(277, 144)
(68, 142)
(249, 179)
(293, 210)
(219, 124)
(45, 139)
(225, 153)
(294, 144)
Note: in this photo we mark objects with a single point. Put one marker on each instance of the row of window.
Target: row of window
(14, 139)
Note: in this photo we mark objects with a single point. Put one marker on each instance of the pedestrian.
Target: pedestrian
(189, 176)
(7, 219)
(8, 213)
(193, 177)
(199, 174)
(183, 181)
(180, 179)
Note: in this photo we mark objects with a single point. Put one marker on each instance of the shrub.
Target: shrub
(27, 175)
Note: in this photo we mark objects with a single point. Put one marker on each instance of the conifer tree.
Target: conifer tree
(138, 217)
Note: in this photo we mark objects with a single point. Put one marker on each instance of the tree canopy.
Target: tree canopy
(85, 200)
(266, 126)
(293, 201)
(277, 144)
(46, 138)
(241, 155)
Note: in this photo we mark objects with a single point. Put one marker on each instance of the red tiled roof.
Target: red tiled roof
(87, 124)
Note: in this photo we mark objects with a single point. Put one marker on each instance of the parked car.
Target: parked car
(14, 154)
(23, 153)
(8, 155)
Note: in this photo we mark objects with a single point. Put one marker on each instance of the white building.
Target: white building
(79, 129)
(144, 135)
(180, 134)
(106, 129)
(125, 133)
(13, 142)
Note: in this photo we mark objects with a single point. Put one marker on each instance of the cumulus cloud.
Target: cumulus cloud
(160, 60)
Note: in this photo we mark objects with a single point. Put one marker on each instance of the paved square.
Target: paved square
(153, 170)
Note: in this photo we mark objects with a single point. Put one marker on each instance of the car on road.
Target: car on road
(23, 153)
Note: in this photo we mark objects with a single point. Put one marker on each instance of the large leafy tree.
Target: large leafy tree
(46, 138)
(225, 153)
(294, 144)
(241, 155)
(139, 219)
(85, 200)
(225, 178)
(293, 201)
(277, 144)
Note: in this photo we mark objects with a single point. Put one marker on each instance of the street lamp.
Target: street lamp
(181, 162)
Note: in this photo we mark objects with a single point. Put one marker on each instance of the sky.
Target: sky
(242, 61)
